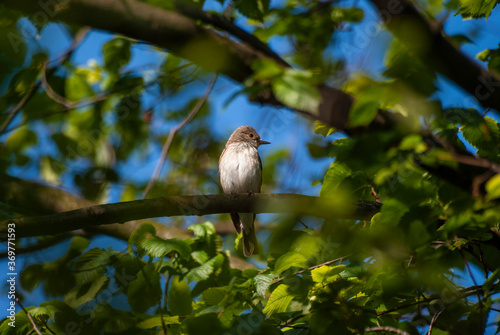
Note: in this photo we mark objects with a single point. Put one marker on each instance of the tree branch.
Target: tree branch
(168, 142)
(47, 200)
(29, 316)
(405, 21)
(188, 205)
(182, 36)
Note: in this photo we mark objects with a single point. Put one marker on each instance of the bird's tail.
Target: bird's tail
(248, 234)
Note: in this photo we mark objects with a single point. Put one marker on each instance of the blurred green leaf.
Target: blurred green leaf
(116, 54)
(88, 291)
(325, 272)
(156, 321)
(144, 291)
(347, 14)
(333, 177)
(158, 247)
(21, 139)
(203, 271)
(493, 187)
(179, 297)
(253, 9)
(295, 90)
(363, 112)
(288, 260)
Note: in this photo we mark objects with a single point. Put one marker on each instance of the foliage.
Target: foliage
(413, 266)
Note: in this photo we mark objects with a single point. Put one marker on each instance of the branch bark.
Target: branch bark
(98, 215)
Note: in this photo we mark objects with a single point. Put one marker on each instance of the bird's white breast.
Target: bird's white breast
(240, 169)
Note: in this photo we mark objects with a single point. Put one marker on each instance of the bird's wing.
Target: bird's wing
(260, 175)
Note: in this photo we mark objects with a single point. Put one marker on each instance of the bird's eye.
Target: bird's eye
(251, 135)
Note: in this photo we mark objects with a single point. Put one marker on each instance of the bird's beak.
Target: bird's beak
(263, 142)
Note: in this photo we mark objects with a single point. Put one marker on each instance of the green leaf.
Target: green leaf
(82, 294)
(204, 271)
(156, 321)
(266, 69)
(294, 90)
(116, 53)
(413, 142)
(288, 260)
(77, 87)
(322, 129)
(363, 112)
(333, 177)
(146, 230)
(347, 14)
(214, 295)
(179, 297)
(391, 213)
(262, 283)
(113, 320)
(206, 324)
(253, 9)
(492, 56)
(20, 140)
(325, 273)
(279, 300)
(476, 8)
(91, 265)
(202, 229)
(484, 136)
(22, 324)
(459, 39)
(144, 291)
(493, 187)
(158, 247)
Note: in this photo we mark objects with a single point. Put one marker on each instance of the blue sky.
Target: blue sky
(282, 127)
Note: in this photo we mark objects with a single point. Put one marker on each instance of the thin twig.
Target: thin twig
(463, 293)
(168, 143)
(302, 223)
(167, 282)
(19, 106)
(340, 259)
(386, 329)
(292, 320)
(45, 243)
(76, 41)
(485, 111)
(29, 317)
(433, 321)
(51, 93)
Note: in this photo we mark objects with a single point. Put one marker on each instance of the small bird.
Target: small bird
(240, 171)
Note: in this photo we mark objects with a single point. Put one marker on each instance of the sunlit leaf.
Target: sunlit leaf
(279, 300)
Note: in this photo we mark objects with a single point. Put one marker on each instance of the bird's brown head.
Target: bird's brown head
(246, 134)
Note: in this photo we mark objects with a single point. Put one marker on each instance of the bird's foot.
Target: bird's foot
(250, 193)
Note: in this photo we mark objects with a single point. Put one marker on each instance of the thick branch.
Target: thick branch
(188, 205)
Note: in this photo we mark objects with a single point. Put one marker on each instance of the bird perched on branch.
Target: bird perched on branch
(240, 171)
